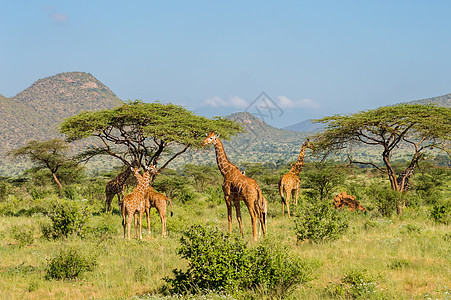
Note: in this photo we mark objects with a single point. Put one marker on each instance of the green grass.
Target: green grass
(401, 258)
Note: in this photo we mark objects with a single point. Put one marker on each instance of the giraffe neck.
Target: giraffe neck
(143, 185)
(297, 167)
(225, 166)
(123, 176)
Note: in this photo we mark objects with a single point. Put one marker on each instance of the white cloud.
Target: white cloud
(286, 102)
(235, 102)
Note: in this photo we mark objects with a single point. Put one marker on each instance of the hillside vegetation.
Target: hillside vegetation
(36, 112)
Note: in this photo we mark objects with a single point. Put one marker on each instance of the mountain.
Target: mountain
(444, 101)
(36, 112)
(305, 126)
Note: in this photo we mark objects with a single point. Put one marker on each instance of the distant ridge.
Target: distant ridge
(305, 126)
(444, 101)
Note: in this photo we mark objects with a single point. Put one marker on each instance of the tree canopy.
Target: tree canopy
(416, 127)
(49, 154)
(139, 132)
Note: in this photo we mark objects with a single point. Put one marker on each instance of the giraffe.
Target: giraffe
(403, 179)
(159, 201)
(116, 187)
(134, 202)
(289, 184)
(238, 187)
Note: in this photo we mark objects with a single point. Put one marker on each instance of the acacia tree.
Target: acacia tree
(414, 128)
(141, 133)
(49, 154)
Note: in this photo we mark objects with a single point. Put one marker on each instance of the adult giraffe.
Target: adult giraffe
(289, 184)
(116, 187)
(238, 187)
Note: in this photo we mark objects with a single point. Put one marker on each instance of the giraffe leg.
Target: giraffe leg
(108, 201)
(124, 219)
(238, 215)
(141, 212)
(229, 214)
(136, 225)
(288, 193)
(148, 218)
(129, 223)
(162, 213)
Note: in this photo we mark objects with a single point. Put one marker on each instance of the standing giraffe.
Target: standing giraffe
(289, 184)
(238, 187)
(403, 179)
(159, 201)
(116, 187)
(134, 202)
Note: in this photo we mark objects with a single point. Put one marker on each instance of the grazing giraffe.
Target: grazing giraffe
(116, 187)
(157, 200)
(289, 184)
(134, 202)
(238, 187)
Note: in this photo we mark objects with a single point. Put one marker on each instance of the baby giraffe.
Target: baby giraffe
(134, 202)
(157, 200)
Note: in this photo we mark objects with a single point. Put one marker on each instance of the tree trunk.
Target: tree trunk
(57, 181)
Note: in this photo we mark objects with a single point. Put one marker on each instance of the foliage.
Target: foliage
(45, 155)
(69, 264)
(441, 212)
(384, 198)
(142, 132)
(321, 178)
(5, 187)
(319, 222)
(23, 234)
(67, 217)
(418, 127)
(217, 262)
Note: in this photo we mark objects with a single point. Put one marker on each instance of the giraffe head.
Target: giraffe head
(308, 144)
(151, 169)
(211, 138)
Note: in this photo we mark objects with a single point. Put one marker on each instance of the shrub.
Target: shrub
(23, 234)
(69, 264)
(384, 198)
(441, 212)
(319, 222)
(354, 284)
(67, 217)
(4, 190)
(219, 263)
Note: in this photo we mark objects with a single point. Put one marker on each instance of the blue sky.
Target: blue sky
(310, 58)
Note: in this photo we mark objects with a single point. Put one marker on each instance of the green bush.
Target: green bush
(320, 222)
(4, 190)
(441, 212)
(23, 234)
(69, 264)
(67, 217)
(216, 262)
(384, 198)
(354, 284)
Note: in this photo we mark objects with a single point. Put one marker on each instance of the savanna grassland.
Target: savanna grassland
(379, 255)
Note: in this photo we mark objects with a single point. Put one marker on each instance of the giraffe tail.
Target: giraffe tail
(171, 205)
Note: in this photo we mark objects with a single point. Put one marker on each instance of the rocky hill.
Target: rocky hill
(36, 112)
(444, 101)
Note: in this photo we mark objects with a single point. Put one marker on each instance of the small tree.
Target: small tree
(322, 178)
(416, 128)
(45, 155)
